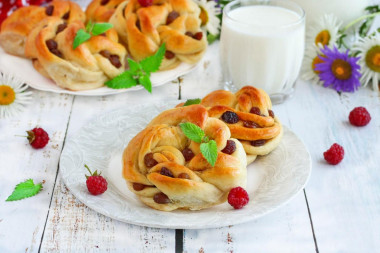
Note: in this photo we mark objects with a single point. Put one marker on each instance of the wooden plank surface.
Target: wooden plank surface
(73, 227)
(22, 222)
(344, 199)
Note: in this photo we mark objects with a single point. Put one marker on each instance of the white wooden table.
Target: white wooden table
(339, 210)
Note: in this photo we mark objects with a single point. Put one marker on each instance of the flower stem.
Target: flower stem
(359, 19)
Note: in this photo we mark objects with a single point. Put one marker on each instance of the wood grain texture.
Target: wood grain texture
(22, 222)
(344, 199)
(284, 230)
(73, 227)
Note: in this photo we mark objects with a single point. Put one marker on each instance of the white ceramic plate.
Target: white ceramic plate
(272, 180)
(24, 70)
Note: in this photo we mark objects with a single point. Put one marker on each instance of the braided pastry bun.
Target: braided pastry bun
(101, 10)
(249, 118)
(167, 171)
(50, 46)
(173, 22)
(15, 29)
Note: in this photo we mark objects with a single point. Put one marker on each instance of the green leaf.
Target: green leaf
(99, 28)
(89, 26)
(364, 28)
(81, 37)
(192, 131)
(25, 190)
(144, 80)
(210, 152)
(211, 38)
(124, 80)
(152, 63)
(194, 101)
(134, 67)
(372, 9)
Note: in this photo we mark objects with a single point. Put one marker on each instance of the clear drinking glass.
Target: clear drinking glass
(262, 44)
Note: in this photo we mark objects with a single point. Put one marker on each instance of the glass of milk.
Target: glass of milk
(262, 45)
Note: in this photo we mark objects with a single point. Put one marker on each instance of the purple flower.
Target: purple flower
(338, 70)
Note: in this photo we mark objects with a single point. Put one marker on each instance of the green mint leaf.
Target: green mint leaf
(210, 152)
(152, 63)
(100, 28)
(25, 190)
(194, 101)
(124, 80)
(134, 67)
(192, 131)
(89, 26)
(81, 37)
(144, 80)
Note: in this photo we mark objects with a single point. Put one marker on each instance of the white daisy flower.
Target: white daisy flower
(310, 59)
(325, 32)
(368, 49)
(208, 16)
(13, 97)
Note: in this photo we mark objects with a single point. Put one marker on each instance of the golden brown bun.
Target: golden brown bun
(173, 22)
(101, 10)
(204, 185)
(50, 45)
(266, 128)
(20, 23)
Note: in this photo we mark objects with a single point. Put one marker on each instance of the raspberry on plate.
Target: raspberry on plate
(359, 116)
(96, 184)
(38, 138)
(334, 155)
(238, 197)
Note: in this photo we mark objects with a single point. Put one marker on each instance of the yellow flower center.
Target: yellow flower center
(7, 95)
(203, 16)
(341, 69)
(316, 61)
(323, 37)
(372, 58)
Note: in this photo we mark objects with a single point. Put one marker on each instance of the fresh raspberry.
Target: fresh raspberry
(38, 137)
(145, 3)
(238, 197)
(359, 116)
(335, 154)
(96, 184)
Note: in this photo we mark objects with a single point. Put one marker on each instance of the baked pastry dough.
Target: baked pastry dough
(257, 128)
(19, 24)
(101, 10)
(173, 22)
(157, 169)
(50, 46)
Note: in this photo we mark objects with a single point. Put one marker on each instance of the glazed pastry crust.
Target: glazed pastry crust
(16, 28)
(101, 10)
(144, 29)
(82, 68)
(241, 102)
(206, 185)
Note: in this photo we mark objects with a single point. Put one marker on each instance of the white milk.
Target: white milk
(262, 46)
(345, 10)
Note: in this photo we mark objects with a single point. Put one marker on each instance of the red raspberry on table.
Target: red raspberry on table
(334, 155)
(96, 184)
(359, 116)
(38, 138)
(238, 197)
(145, 3)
